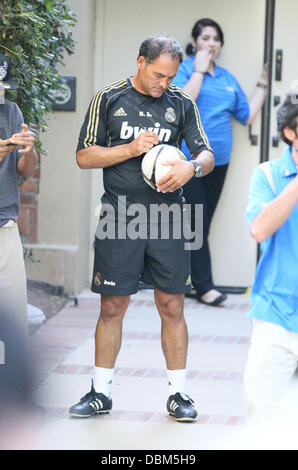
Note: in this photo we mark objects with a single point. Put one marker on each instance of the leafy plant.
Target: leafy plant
(35, 34)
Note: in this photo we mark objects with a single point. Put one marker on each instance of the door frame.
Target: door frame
(266, 110)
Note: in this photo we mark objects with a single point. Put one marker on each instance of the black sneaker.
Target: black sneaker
(182, 407)
(92, 403)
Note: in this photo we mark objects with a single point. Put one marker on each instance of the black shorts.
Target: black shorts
(119, 265)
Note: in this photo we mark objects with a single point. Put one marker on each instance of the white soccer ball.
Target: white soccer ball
(152, 164)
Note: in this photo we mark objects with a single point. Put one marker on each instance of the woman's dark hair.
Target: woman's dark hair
(197, 31)
(156, 45)
(287, 115)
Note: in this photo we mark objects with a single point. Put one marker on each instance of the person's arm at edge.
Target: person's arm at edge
(275, 214)
(27, 162)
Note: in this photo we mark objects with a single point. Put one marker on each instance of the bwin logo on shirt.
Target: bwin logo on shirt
(128, 131)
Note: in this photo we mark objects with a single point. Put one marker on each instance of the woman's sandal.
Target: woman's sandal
(218, 300)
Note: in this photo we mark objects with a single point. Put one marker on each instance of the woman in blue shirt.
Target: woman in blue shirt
(219, 98)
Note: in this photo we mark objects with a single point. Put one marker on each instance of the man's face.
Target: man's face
(155, 78)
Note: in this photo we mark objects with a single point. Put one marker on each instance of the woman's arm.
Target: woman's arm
(257, 99)
(193, 86)
(202, 63)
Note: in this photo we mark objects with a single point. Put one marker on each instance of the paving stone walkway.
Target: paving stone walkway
(63, 349)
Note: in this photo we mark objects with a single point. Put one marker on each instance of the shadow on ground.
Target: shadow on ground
(50, 300)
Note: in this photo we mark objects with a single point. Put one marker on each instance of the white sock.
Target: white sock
(102, 380)
(177, 379)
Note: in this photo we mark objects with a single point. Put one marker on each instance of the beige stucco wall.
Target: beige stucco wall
(285, 31)
(61, 179)
(64, 197)
(121, 27)
(108, 34)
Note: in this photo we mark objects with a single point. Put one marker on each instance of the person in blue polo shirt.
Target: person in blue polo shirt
(17, 157)
(219, 98)
(272, 215)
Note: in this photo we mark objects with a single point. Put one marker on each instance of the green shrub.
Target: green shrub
(36, 35)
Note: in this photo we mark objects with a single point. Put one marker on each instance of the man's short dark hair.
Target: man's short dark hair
(287, 115)
(156, 45)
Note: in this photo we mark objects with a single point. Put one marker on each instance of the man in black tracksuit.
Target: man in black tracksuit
(124, 121)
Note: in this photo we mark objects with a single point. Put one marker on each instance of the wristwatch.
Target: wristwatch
(198, 168)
